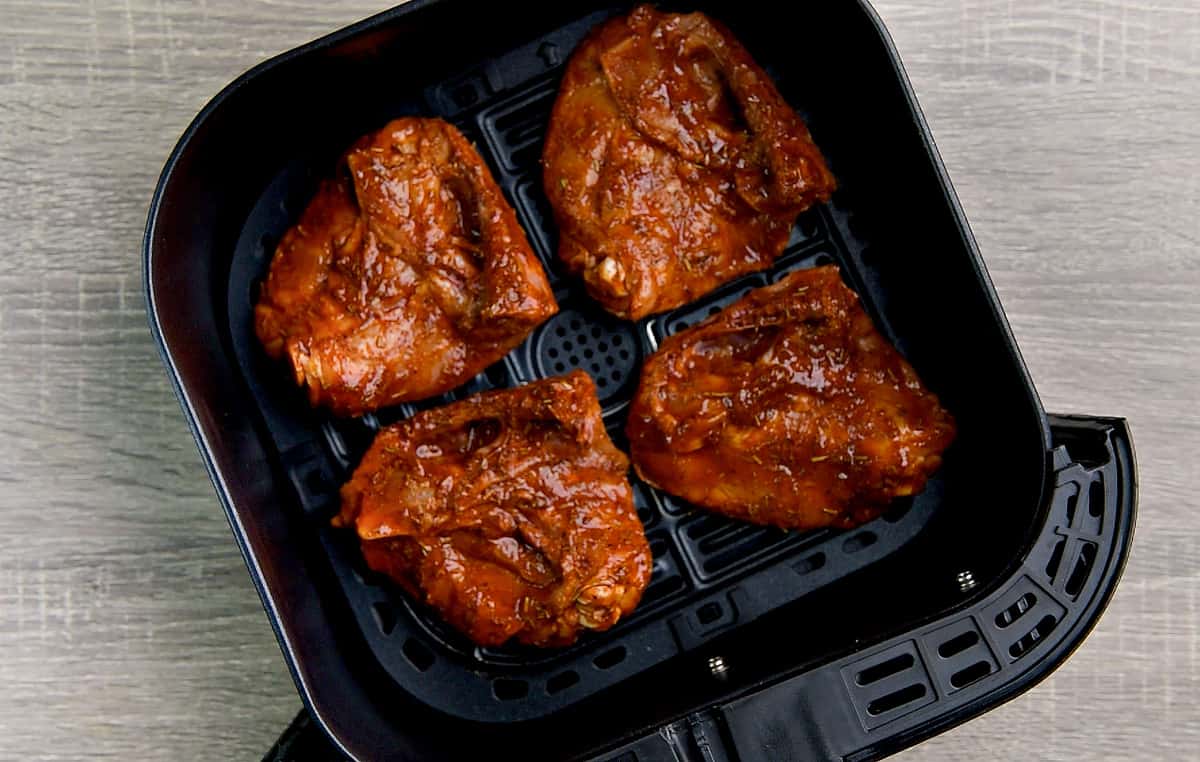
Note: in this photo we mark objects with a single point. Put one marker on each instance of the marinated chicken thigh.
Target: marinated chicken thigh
(787, 408)
(509, 512)
(672, 162)
(406, 275)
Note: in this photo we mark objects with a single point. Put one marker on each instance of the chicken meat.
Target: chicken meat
(406, 275)
(787, 408)
(672, 163)
(509, 512)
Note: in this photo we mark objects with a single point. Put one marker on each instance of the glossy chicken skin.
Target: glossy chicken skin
(787, 408)
(509, 512)
(672, 163)
(406, 275)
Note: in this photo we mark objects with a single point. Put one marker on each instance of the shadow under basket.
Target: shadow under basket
(750, 643)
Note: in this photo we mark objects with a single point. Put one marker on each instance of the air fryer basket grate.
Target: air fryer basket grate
(817, 645)
(710, 573)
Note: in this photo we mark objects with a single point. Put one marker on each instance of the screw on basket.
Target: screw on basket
(717, 666)
(966, 581)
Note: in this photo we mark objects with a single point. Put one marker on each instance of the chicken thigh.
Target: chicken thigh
(672, 163)
(406, 275)
(787, 408)
(509, 512)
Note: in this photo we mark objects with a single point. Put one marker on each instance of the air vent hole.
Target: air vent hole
(898, 510)
(610, 658)
(418, 655)
(1083, 566)
(315, 482)
(859, 541)
(892, 666)
(709, 612)
(1096, 499)
(385, 617)
(1031, 638)
(464, 95)
(507, 689)
(968, 675)
(1056, 558)
(809, 564)
(958, 644)
(1016, 610)
(896, 699)
(574, 341)
(562, 681)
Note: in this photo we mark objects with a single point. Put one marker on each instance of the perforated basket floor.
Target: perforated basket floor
(710, 574)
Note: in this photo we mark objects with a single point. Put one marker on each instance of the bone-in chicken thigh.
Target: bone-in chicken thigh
(787, 408)
(406, 275)
(509, 512)
(672, 163)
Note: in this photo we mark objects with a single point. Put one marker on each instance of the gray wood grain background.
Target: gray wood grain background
(128, 626)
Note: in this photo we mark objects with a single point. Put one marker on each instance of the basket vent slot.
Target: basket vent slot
(709, 612)
(884, 669)
(689, 316)
(385, 616)
(417, 654)
(1083, 567)
(1033, 637)
(971, 674)
(562, 681)
(610, 658)
(958, 644)
(809, 564)
(859, 542)
(896, 699)
(507, 689)
(1056, 558)
(749, 543)
(663, 588)
(1016, 610)
(1096, 499)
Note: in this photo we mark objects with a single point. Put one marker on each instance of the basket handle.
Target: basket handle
(918, 684)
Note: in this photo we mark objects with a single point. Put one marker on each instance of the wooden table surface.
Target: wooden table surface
(128, 625)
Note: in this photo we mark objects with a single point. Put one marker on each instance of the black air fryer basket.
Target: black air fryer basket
(750, 643)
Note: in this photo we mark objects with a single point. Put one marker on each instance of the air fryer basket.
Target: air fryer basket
(749, 640)
(918, 683)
